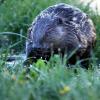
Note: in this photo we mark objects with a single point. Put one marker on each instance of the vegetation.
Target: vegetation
(50, 81)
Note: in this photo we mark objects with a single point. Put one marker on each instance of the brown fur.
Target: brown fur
(61, 27)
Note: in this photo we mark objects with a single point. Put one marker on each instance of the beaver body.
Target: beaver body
(61, 27)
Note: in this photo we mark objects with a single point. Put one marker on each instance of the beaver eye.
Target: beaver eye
(59, 21)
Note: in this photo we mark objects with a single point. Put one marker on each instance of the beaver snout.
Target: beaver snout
(39, 53)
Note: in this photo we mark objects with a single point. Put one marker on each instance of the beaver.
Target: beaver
(63, 28)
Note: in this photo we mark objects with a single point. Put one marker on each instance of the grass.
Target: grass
(51, 81)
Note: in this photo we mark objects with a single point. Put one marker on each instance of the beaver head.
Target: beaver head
(61, 27)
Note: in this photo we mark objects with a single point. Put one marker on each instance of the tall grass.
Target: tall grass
(51, 81)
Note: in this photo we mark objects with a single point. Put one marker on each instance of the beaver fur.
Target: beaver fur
(61, 27)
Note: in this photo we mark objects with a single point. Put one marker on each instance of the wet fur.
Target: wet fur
(61, 27)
